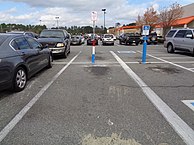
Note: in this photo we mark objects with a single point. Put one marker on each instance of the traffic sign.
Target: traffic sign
(146, 29)
(94, 16)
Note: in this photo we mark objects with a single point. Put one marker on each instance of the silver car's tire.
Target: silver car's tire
(170, 48)
(19, 79)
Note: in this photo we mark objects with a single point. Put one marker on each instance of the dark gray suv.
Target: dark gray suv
(180, 39)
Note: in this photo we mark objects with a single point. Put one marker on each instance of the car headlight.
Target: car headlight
(60, 45)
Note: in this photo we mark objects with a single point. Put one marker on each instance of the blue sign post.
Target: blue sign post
(146, 29)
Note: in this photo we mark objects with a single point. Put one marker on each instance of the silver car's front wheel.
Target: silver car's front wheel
(170, 48)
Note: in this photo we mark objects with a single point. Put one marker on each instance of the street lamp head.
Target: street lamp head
(103, 10)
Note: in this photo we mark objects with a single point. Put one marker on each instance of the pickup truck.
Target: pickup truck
(129, 38)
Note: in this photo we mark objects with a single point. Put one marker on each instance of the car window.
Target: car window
(22, 43)
(52, 33)
(29, 34)
(33, 43)
(14, 45)
(170, 33)
(188, 32)
(180, 34)
(108, 36)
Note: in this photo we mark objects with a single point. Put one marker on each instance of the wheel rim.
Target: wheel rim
(169, 48)
(21, 78)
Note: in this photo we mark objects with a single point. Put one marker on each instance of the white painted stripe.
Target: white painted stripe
(93, 50)
(177, 65)
(188, 103)
(130, 52)
(21, 114)
(184, 131)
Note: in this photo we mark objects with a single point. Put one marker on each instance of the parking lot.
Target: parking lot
(117, 99)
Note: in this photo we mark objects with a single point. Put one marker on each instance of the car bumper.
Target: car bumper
(56, 51)
(108, 42)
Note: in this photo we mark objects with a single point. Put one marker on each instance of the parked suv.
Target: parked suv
(180, 39)
(57, 40)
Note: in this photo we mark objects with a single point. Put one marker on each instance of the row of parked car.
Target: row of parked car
(136, 38)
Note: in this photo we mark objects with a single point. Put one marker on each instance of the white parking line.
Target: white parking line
(184, 131)
(21, 114)
(177, 65)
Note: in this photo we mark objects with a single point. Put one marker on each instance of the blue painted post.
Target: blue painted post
(93, 52)
(144, 50)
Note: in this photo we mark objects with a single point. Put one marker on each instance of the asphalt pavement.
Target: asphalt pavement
(117, 100)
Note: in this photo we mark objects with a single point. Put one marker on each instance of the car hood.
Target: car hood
(54, 40)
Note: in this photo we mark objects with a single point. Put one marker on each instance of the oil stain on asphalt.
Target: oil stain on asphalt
(97, 70)
(97, 58)
(164, 69)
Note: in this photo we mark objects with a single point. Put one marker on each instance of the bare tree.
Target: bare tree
(150, 17)
(169, 15)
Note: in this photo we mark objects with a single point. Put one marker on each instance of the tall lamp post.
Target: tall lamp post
(104, 10)
(57, 18)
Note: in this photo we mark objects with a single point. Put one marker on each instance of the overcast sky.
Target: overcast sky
(76, 12)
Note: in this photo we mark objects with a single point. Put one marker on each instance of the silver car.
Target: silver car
(180, 39)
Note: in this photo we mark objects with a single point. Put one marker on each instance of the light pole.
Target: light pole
(57, 18)
(104, 10)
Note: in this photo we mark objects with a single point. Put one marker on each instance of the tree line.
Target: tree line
(38, 28)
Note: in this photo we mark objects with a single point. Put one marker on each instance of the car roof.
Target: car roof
(10, 34)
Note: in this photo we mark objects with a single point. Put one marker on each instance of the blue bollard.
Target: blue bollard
(144, 50)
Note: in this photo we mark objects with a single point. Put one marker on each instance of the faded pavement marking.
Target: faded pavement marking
(113, 140)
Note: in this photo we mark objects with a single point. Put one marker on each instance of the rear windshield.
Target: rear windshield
(51, 34)
(2, 39)
(108, 36)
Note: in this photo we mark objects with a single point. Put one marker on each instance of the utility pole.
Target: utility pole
(57, 18)
(104, 10)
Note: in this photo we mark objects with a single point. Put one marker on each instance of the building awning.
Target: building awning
(179, 22)
(127, 27)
